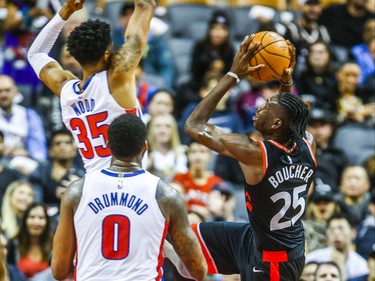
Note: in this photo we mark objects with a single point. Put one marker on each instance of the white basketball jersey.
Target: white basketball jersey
(88, 115)
(119, 227)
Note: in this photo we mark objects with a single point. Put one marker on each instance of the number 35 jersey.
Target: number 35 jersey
(275, 205)
(119, 227)
(88, 114)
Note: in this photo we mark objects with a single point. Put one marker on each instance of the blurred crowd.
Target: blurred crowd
(185, 58)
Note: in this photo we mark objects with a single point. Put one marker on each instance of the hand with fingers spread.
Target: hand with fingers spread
(241, 61)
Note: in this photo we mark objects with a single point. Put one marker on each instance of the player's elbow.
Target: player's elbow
(200, 273)
(188, 128)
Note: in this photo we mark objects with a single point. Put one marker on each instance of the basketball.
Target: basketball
(273, 52)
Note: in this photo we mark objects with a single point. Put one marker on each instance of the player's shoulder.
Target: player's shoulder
(170, 200)
(73, 192)
(165, 193)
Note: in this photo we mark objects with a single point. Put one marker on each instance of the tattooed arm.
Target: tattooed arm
(183, 239)
(124, 62)
(64, 242)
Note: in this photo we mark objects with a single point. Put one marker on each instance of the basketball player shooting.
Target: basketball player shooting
(278, 172)
(108, 87)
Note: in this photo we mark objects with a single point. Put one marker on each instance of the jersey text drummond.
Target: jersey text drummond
(118, 199)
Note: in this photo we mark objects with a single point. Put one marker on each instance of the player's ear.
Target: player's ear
(277, 123)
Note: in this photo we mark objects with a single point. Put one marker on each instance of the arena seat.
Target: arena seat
(182, 13)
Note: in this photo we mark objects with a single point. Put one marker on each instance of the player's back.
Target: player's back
(276, 204)
(119, 227)
(87, 113)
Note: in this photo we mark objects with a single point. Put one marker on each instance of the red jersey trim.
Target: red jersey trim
(282, 147)
(212, 269)
(274, 258)
(76, 263)
(131, 111)
(311, 151)
(159, 268)
(264, 156)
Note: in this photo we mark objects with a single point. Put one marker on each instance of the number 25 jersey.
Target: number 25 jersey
(275, 205)
(88, 114)
(120, 228)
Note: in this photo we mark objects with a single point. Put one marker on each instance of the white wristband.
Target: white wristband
(234, 75)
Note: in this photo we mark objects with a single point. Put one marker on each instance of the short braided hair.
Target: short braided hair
(88, 42)
(298, 115)
(127, 135)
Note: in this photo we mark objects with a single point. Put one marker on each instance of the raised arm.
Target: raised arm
(184, 241)
(234, 145)
(46, 68)
(64, 242)
(125, 61)
(286, 79)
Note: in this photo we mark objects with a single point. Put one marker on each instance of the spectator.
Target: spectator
(364, 53)
(345, 22)
(52, 177)
(8, 272)
(17, 42)
(365, 240)
(6, 175)
(11, 19)
(370, 168)
(318, 77)
(22, 127)
(145, 90)
(18, 196)
(371, 266)
(354, 196)
(167, 156)
(305, 30)
(308, 273)
(160, 102)
(350, 105)
(222, 202)
(322, 206)
(331, 160)
(340, 235)
(198, 182)
(33, 246)
(157, 58)
(328, 271)
(215, 51)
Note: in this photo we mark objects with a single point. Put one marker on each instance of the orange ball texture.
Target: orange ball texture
(273, 52)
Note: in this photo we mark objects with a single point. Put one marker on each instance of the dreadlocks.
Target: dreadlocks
(298, 113)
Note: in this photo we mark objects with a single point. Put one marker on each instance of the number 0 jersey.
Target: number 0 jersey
(276, 204)
(119, 228)
(87, 115)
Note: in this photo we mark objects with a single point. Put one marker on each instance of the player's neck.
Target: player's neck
(89, 71)
(125, 166)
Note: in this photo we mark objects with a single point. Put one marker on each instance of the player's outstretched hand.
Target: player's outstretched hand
(241, 62)
(288, 72)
